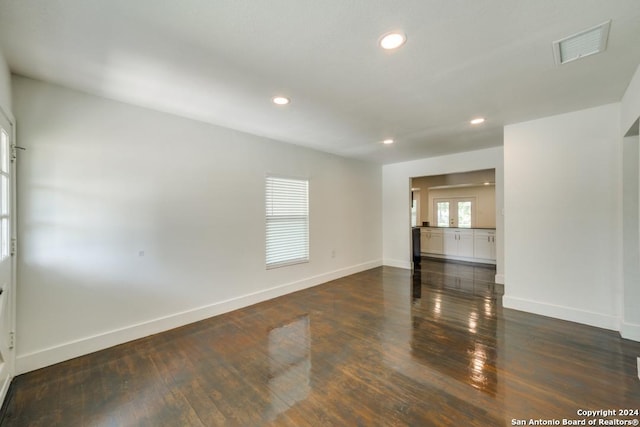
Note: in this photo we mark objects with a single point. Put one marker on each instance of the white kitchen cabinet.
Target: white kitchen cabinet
(431, 241)
(424, 237)
(464, 244)
(458, 242)
(450, 243)
(484, 244)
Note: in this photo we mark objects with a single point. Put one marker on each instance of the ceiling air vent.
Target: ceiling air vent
(584, 43)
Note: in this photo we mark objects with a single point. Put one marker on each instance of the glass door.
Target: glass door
(463, 213)
(442, 214)
(454, 212)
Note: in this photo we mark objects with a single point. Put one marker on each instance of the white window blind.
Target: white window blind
(287, 203)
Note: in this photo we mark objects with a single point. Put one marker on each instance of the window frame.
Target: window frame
(272, 218)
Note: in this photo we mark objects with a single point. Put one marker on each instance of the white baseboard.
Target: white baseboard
(69, 350)
(630, 331)
(499, 279)
(4, 388)
(397, 263)
(460, 258)
(598, 320)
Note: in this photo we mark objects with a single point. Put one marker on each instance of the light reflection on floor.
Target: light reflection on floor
(453, 318)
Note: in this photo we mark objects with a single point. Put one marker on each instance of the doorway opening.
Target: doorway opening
(453, 216)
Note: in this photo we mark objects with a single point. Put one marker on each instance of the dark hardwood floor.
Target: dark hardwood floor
(383, 347)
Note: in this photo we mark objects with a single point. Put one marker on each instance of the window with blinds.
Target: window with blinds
(287, 203)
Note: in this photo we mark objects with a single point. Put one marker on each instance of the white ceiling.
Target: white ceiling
(222, 61)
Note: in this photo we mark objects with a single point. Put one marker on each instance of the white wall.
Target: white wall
(396, 195)
(134, 221)
(630, 325)
(5, 87)
(630, 104)
(562, 245)
(630, 115)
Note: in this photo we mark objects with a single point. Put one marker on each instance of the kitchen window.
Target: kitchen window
(287, 221)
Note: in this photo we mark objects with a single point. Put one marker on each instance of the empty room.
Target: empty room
(298, 213)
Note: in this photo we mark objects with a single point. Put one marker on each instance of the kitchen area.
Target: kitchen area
(453, 217)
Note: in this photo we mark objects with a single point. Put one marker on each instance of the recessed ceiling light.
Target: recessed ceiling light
(392, 40)
(477, 121)
(388, 141)
(280, 100)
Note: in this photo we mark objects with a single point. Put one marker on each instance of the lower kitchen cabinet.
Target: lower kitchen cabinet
(466, 244)
(484, 244)
(458, 242)
(431, 241)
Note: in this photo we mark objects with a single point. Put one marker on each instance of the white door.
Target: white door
(7, 298)
(456, 212)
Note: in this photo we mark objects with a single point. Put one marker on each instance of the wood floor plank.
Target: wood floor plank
(385, 347)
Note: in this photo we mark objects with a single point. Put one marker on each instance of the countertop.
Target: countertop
(458, 228)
